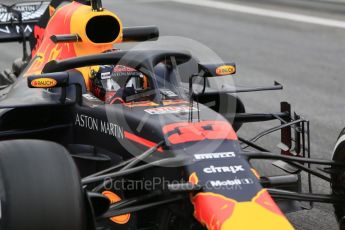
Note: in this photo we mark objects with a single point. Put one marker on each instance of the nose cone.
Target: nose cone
(232, 196)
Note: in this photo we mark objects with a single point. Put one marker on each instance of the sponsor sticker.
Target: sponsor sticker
(225, 70)
(171, 110)
(223, 169)
(97, 125)
(225, 183)
(168, 93)
(43, 83)
(90, 97)
(105, 75)
(124, 71)
(206, 156)
(174, 102)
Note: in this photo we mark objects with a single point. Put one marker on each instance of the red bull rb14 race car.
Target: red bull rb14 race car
(98, 138)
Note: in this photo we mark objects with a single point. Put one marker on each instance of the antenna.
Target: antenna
(96, 5)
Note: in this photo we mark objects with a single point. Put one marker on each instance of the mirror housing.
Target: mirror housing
(49, 80)
(217, 70)
(56, 80)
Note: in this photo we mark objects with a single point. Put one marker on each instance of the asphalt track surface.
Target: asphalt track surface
(307, 58)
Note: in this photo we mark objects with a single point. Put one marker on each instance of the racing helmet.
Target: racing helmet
(115, 83)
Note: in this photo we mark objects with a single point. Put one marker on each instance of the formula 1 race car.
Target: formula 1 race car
(97, 138)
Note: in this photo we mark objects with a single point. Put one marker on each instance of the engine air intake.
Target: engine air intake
(103, 29)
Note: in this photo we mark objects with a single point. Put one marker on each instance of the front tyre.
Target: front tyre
(338, 179)
(39, 187)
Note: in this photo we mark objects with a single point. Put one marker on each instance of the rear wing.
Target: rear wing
(18, 18)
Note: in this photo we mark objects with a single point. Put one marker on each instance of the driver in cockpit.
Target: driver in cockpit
(114, 84)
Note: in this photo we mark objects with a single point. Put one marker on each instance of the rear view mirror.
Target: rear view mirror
(217, 70)
(58, 80)
(209, 70)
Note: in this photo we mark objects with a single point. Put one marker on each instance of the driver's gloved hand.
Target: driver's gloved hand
(7, 77)
(18, 66)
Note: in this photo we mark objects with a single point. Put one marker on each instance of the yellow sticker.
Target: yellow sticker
(43, 83)
(225, 70)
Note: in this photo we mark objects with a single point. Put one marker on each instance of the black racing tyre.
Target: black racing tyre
(338, 179)
(40, 187)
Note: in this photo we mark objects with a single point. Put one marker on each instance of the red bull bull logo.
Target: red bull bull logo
(212, 209)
